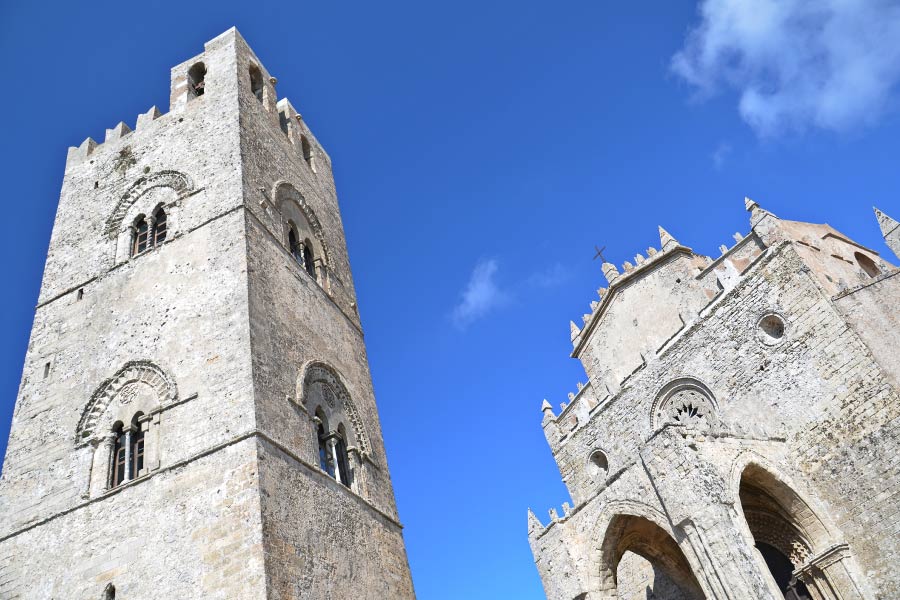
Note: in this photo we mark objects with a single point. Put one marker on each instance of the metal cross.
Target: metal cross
(599, 253)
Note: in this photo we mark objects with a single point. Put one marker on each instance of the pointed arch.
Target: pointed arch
(126, 384)
(337, 401)
(177, 181)
(632, 526)
(284, 192)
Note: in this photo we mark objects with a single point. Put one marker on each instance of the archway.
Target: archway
(641, 560)
(793, 544)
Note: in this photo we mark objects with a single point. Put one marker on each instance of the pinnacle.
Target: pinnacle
(886, 223)
(666, 238)
(750, 204)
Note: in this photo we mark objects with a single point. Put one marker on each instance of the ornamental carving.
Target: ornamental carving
(179, 182)
(336, 397)
(684, 402)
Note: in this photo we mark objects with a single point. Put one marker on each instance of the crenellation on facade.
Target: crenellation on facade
(753, 415)
(206, 426)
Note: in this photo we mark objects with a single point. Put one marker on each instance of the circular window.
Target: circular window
(771, 329)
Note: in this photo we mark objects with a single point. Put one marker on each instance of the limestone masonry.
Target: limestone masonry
(196, 417)
(739, 434)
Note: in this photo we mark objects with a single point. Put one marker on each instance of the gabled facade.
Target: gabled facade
(196, 417)
(739, 431)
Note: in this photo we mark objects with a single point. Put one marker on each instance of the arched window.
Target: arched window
(159, 227)
(867, 264)
(256, 82)
(148, 236)
(141, 236)
(119, 456)
(307, 149)
(294, 245)
(137, 446)
(309, 259)
(340, 450)
(127, 451)
(196, 76)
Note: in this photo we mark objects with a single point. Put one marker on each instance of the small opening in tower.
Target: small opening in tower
(80, 294)
(307, 149)
(196, 77)
(109, 593)
(256, 82)
(867, 264)
(96, 184)
(46, 370)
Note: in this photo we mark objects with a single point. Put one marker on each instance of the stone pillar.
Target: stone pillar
(696, 499)
(357, 480)
(832, 575)
(332, 448)
(101, 480)
(128, 474)
(321, 273)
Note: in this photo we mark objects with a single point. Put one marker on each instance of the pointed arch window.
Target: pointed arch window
(160, 227)
(309, 259)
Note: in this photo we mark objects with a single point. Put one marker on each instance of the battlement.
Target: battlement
(215, 76)
(653, 301)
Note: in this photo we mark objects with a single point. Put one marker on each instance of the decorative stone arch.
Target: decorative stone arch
(777, 515)
(685, 401)
(139, 384)
(629, 525)
(177, 181)
(335, 401)
(293, 207)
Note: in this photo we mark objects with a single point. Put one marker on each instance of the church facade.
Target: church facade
(739, 433)
(196, 417)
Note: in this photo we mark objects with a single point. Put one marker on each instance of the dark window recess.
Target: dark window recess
(307, 149)
(46, 370)
(119, 456)
(141, 235)
(160, 227)
(309, 259)
(325, 462)
(196, 79)
(343, 464)
(80, 294)
(256, 82)
(295, 248)
(137, 452)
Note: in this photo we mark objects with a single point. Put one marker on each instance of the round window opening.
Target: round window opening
(771, 329)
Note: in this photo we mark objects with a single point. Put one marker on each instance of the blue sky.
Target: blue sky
(481, 150)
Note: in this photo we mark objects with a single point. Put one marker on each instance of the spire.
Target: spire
(547, 409)
(666, 239)
(750, 204)
(574, 330)
(534, 524)
(890, 229)
(887, 224)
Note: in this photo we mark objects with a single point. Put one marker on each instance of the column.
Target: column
(109, 443)
(332, 448)
(128, 473)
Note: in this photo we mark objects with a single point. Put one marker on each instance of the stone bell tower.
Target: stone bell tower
(196, 417)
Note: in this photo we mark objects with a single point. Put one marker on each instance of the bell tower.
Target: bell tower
(196, 416)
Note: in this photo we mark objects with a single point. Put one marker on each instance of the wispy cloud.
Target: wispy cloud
(554, 275)
(480, 296)
(720, 154)
(796, 64)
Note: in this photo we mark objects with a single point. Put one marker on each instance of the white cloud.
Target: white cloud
(481, 295)
(831, 64)
(720, 154)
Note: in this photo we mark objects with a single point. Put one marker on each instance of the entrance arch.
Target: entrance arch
(795, 546)
(641, 556)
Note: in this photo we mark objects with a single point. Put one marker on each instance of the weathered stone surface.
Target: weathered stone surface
(736, 407)
(223, 345)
